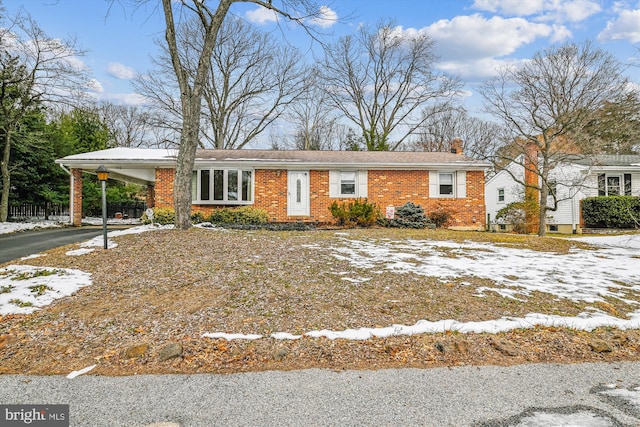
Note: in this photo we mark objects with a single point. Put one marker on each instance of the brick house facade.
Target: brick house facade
(301, 185)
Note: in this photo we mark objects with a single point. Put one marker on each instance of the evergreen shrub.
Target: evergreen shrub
(359, 212)
(611, 212)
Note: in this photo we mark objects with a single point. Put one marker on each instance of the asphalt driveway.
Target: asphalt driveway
(17, 245)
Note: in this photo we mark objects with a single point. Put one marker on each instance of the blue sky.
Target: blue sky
(473, 37)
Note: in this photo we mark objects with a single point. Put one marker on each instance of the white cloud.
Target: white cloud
(560, 33)
(261, 15)
(480, 69)
(120, 98)
(510, 7)
(120, 71)
(625, 27)
(476, 37)
(95, 86)
(544, 10)
(327, 18)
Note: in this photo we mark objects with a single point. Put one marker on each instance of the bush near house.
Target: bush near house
(243, 215)
(409, 215)
(359, 212)
(441, 216)
(611, 212)
(162, 216)
(516, 214)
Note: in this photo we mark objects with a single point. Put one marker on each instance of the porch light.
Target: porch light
(103, 175)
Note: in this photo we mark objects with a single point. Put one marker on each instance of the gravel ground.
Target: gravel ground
(466, 396)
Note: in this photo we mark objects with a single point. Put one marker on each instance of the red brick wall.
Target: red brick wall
(396, 188)
(76, 194)
(164, 188)
(384, 188)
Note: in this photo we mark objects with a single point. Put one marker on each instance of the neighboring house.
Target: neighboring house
(577, 178)
(298, 185)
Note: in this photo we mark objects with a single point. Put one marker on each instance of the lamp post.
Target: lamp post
(103, 175)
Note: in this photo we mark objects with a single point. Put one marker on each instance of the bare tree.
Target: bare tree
(442, 127)
(315, 124)
(129, 125)
(381, 80)
(252, 80)
(547, 104)
(192, 83)
(617, 125)
(35, 70)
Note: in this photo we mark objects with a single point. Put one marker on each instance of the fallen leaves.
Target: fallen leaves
(185, 283)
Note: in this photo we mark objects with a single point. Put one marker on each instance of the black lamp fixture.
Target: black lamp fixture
(103, 175)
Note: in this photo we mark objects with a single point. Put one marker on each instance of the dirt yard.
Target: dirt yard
(155, 295)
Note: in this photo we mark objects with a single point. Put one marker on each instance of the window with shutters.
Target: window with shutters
(614, 184)
(348, 183)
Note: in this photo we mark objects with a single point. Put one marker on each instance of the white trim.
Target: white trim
(360, 185)
(225, 187)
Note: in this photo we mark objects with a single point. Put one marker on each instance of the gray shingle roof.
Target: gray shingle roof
(336, 157)
(608, 160)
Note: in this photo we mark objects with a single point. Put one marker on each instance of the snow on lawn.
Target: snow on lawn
(98, 241)
(586, 275)
(12, 227)
(581, 275)
(24, 288)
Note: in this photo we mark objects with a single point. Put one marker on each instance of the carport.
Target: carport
(130, 165)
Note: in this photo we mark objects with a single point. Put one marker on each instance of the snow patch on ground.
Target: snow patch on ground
(25, 288)
(581, 275)
(12, 227)
(98, 241)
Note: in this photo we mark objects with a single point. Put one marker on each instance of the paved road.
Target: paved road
(16, 245)
(525, 395)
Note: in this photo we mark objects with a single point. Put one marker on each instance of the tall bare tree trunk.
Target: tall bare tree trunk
(6, 177)
(191, 100)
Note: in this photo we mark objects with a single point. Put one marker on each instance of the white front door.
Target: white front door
(298, 193)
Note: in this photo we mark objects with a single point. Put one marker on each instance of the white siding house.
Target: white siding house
(583, 176)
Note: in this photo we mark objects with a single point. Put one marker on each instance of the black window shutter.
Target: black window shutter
(627, 184)
(602, 191)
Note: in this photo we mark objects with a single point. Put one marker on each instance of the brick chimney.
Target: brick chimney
(531, 194)
(456, 146)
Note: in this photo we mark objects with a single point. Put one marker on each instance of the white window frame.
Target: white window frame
(346, 178)
(501, 194)
(620, 184)
(337, 177)
(453, 185)
(459, 184)
(196, 189)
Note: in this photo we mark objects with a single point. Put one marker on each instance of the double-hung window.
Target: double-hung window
(222, 186)
(348, 183)
(500, 195)
(448, 184)
(445, 184)
(614, 184)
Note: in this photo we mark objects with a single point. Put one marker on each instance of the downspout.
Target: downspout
(70, 193)
(574, 229)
